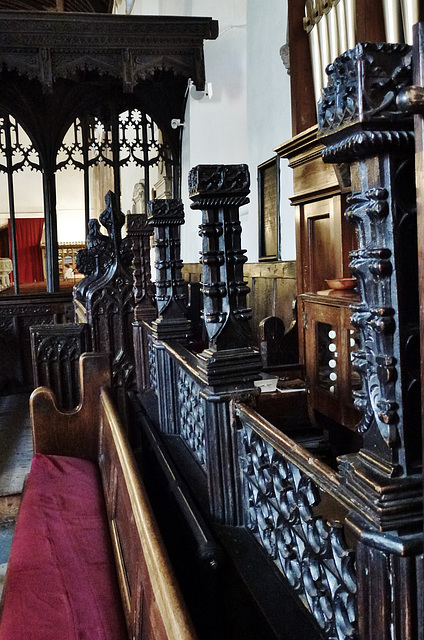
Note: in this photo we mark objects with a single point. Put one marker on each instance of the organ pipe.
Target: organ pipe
(310, 28)
(392, 21)
(412, 12)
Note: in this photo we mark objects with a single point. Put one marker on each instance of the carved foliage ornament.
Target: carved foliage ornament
(379, 146)
(363, 84)
(49, 46)
(387, 314)
(216, 185)
(310, 551)
(192, 415)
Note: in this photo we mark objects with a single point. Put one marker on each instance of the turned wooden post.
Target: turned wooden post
(140, 232)
(219, 191)
(230, 364)
(372, 142)
(166, 217)
(171, 324)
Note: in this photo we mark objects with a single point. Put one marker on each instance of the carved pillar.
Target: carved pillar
(166, 216)
(370, 140)
(230, 364)
(139, 231)
(219, 191)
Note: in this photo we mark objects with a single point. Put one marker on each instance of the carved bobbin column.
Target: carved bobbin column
(139, 231)
(219, 191)
(372, 142)
(166, 216)
(230, 364)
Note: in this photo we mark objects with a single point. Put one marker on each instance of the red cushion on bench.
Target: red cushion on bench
(61, 580)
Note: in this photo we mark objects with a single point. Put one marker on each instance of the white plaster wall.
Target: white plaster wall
(248, 114)
(215, 128)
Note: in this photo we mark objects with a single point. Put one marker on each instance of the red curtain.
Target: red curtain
(30, 260)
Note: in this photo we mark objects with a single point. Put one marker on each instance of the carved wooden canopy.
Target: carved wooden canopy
(57, 68)
(56, 64)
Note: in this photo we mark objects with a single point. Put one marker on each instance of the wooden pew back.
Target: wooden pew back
(153, 605)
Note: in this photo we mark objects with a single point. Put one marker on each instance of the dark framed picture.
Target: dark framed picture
(269, 209)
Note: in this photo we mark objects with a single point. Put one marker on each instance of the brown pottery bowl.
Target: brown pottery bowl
(341, 283)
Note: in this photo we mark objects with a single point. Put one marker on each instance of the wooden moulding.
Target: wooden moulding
(312, 178)
(147, 582)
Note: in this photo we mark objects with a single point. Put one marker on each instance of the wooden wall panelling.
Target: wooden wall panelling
(321, 255)
(273, 289)
(323, 241)
(319, 212)
(272, 292)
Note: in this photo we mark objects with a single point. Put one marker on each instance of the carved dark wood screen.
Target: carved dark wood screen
(61, 70)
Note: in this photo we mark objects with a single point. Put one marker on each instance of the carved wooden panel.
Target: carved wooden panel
(17, 315)
(55, 355)
(284, 509)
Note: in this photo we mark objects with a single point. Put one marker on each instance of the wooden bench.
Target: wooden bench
(150, 602)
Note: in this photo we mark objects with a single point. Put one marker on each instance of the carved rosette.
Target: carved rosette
(166, 217)
(366, 131)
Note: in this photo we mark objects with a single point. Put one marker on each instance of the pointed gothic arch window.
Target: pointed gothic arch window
(21, 208)
(97, 153)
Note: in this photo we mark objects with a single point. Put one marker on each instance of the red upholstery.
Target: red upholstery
(61, 582)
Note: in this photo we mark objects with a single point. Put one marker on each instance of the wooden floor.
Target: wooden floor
(15, 460)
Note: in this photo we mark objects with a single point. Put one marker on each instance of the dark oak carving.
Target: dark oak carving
(128, 48)
(282, 511)
(140, 232)
(362, 86)
(55, 356)
(166, 216)
(17, 315)
(363, 126)
(63, 68)
(219, 191)
(104, 298)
